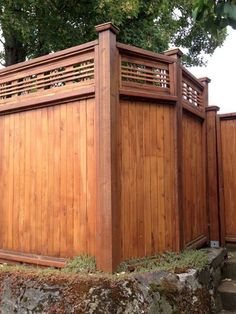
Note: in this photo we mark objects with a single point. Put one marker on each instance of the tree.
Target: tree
(32, 28)
(215, 14)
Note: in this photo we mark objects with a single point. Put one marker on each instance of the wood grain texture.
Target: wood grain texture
(48, 175)
(148, 199)
(107, 116)
(93, 163)
(194, 195)
(220, 180)
(212, 174)
(228, 155)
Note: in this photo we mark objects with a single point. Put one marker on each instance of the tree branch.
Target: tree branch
(1, 41)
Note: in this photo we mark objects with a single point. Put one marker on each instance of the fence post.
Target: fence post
(176, 88)
(205, 81)
(212, 175)
(108, 243)
(211, 167)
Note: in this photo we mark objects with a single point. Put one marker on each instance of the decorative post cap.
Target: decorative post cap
(204, 80)
(174, 52)
(107, 26)
(212, 108)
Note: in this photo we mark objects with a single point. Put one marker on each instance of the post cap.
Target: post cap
(204, 80)
(107, 26)
(174, 52)
(212, 108)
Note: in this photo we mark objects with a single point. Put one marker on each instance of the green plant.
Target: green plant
(81, 264)
(169, 261)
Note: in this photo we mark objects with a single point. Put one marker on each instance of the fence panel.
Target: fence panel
(96, 144)
(227, 147)
(47, 159)
(47, 181)
(148, 190)
(195, 220)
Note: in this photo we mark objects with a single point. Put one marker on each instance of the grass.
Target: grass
(174, 262)
(85, 264)
(81, 264)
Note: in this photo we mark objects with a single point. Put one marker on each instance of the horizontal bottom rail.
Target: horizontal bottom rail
(197, 242)
(18, 257)
(200, 113)
(46, 100)
(230, 238)
(145, 94)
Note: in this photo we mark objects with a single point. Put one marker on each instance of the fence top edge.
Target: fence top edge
(144, 53)
(192, 78)
(212, 108)
(47, 58)
(227, 116)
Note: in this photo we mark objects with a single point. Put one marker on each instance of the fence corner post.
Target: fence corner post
(176, 78)
(108, 243)
(212, 176)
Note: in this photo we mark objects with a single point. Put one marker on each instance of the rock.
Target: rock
(152, 292)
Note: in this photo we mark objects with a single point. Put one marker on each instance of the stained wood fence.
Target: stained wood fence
(227, 180)
(108, 150)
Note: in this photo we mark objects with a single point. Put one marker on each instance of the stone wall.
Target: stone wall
(156, 292)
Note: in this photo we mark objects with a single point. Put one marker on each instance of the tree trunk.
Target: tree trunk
(14, 51)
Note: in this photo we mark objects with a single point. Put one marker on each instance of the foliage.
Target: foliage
(81, 264)
(85, 264)
(215, 14)
(177, 262)
(32, 28)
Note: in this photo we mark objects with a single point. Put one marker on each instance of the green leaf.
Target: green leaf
(35, 27)
(230, 11)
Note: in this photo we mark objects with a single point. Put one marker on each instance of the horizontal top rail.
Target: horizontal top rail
(144, 53)
(48, 58)
(192, 78)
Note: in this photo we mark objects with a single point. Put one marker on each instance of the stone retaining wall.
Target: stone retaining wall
(156, 292)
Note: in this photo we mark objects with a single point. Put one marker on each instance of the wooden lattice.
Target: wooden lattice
(55, 78)
(191, 93)
(147, 74)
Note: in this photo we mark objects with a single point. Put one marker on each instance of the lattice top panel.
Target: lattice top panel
(145, 73)
(54, 78)
(191, 94)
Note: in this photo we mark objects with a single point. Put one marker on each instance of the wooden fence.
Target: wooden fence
(47, 163)
(106, 149)
(227, 180)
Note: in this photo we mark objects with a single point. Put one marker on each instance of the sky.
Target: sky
(221, 69)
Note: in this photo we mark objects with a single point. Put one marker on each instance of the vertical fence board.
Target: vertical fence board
(56, 179)
(91, 176)
(147, 181)
(140, 178)
(228, 157)
(162, 159)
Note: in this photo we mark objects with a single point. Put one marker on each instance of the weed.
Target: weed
(81, 264)
(169, 261)
(85, 264)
